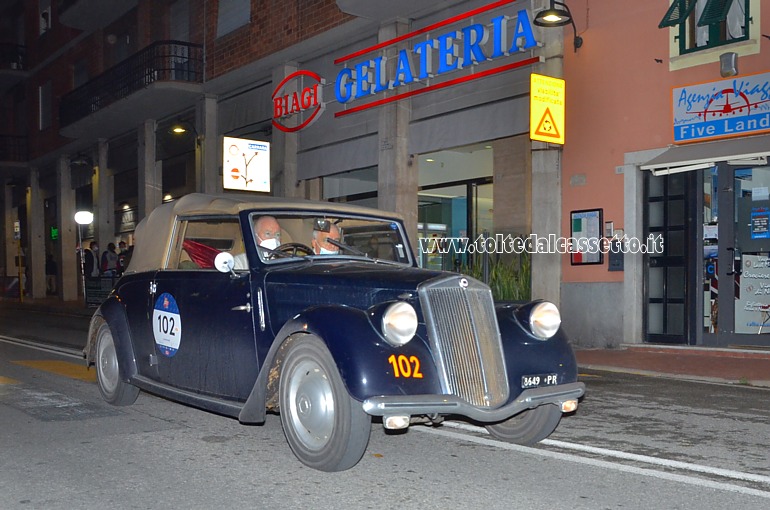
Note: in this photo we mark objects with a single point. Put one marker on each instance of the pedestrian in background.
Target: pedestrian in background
(109, 261)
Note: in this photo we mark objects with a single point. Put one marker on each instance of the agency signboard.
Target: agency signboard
(738, 106)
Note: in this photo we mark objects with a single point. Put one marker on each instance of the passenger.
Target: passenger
(321, 244)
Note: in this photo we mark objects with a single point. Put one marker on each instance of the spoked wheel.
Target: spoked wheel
(528, 427)
(325, 428)
(113, 389)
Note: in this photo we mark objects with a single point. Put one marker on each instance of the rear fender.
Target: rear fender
(113, 313)
(362, 356)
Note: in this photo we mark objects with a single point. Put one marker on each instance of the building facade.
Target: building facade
(668, 122)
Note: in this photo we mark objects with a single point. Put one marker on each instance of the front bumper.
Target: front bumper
(449, 404)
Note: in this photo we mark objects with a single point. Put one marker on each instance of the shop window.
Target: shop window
(704, 24)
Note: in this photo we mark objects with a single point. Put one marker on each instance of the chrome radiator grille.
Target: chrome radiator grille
(460, 316)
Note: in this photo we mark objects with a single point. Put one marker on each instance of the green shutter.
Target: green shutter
(715, 11)
(677, 13)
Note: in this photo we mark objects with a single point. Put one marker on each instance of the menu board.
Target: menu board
(752, 306)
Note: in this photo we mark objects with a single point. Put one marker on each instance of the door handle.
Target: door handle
(242, 308)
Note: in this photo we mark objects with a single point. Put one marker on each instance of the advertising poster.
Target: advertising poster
(246, 165)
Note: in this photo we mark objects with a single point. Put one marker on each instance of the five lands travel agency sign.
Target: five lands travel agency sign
(480, 42)
(722, 109)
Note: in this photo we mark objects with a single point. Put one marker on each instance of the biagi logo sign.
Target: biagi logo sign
(298, 101)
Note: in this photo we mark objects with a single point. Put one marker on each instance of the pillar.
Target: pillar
(103, 198)
(150, 172)
(397, 183)
(283, 152)
(68, 282)
(35, 253)
(208, 160)
(10, 244)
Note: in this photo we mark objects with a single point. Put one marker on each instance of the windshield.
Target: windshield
(283, 236)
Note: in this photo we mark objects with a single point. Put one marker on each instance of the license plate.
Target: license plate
(536, 381)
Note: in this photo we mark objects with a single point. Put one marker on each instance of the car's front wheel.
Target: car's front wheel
(113, 389)
(528, 427)
(325, 427)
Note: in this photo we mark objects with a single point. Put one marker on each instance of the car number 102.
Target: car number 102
(404, 366)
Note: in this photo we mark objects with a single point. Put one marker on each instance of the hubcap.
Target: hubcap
(108, 364)
(311, 404)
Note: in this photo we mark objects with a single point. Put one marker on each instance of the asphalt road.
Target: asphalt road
(635, 442)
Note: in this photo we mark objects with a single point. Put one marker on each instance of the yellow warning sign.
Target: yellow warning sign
(546, 109)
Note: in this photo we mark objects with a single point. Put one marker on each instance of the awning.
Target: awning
(748, 151)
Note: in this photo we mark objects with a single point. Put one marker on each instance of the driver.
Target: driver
(268, 232)
(321, 244)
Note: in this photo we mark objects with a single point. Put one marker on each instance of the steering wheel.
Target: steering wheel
(294, 249)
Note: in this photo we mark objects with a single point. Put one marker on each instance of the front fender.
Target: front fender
(367, 364)
(527, 355)
(112, 312)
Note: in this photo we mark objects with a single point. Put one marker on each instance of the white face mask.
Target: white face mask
(324, 251)
(270, 244)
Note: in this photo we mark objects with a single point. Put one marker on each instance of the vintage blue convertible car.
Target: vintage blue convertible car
(206, 316)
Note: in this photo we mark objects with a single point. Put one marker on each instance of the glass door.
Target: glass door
(738, 242)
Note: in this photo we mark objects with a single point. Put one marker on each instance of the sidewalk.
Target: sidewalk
(732, 366)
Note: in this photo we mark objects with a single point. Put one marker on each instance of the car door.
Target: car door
(202, 319)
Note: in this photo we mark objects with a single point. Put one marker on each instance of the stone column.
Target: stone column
(283, 152)
(512, 194)
(103, 198)
(150, 172)
(35, 253)
(208, 158)
(68, 282)
(10, 244)
(396, 176)
(546, 219)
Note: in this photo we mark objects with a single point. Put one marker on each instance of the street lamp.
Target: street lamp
(83, 218)
(558, 17)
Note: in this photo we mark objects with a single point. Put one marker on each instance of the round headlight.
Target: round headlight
(544, 320)
(399, 323)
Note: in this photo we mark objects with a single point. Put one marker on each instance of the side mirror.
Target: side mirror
(224, 262)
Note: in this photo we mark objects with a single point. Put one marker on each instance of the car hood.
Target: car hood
(290, 290)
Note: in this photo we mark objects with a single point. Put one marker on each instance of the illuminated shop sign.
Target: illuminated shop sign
(300, 93)
(246, 165)
(430, 58)
(722, 109)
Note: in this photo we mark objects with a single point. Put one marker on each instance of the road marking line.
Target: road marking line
(8, 380)
(690, 480)
(725, 473)
(64, 351)
(64, 368)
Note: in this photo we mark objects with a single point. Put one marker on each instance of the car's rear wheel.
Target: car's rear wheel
(113, 389)
(528, 427)
(325, 428)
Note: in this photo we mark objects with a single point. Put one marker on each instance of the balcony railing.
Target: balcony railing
(13, 149)
(165, 61)
(13, 56)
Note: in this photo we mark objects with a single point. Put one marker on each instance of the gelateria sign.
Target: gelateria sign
(474, 45)
(722, 109)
